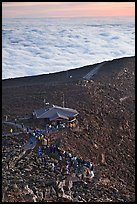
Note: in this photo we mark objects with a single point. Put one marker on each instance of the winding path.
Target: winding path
(24, 129)
(94, 71)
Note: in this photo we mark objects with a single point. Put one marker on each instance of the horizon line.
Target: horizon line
(69, 17)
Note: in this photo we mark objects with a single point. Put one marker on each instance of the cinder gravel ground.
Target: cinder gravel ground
(106, 133)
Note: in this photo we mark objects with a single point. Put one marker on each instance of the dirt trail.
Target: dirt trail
(94, 71)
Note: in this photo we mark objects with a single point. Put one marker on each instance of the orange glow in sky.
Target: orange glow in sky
(66, 9)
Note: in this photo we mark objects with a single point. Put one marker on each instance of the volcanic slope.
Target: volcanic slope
(106, 134)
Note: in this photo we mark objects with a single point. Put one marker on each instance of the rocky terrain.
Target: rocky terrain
(106, 135)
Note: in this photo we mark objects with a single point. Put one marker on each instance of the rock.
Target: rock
(108, 140)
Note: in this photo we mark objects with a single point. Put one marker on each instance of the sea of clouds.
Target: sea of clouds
(41, 46)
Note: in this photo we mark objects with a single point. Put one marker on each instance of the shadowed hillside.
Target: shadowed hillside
(106, 134)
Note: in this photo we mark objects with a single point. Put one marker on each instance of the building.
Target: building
(56, 113)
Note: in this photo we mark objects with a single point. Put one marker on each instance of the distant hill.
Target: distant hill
(66, 76)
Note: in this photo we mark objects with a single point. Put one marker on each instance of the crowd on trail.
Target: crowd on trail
(49, 127)
(66, 160)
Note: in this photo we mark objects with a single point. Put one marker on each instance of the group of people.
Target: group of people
(67, 161)
(49, 128)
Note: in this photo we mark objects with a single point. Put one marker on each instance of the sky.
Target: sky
(66, 9)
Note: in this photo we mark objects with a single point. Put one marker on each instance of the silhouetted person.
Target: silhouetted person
(15, 121)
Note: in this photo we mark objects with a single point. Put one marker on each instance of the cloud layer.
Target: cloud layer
(41, 46)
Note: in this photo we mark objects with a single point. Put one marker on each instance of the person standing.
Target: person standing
(39, 151)
(34, 133)
(60, 158)
(82, 176)
(77, 170)
(30, 141)
(27, 130)
(54, 149)
(50, 148)
(91, 174)
(53, 167)
(67, 169)
(91, 170)
(91, 166)
(46, 138)
(11, 130)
